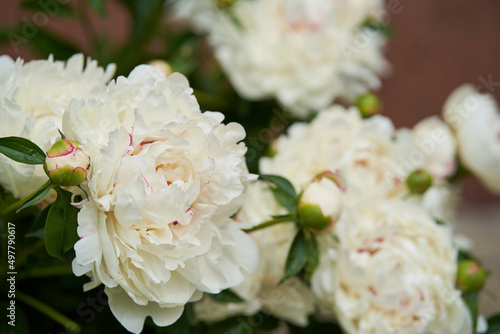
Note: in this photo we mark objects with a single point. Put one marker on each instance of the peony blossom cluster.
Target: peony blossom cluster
(304, 53)
(33, 97)
(163, 183)
(386, 266)
(160, 178)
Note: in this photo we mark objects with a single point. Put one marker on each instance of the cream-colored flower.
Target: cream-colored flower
(430, 145)
(292, 301)
(393, 271)
(475, 118)
(361, 151)
(164, 181)
(305, 53)
(33, 97)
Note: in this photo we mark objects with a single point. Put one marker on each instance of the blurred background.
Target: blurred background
(438, 45)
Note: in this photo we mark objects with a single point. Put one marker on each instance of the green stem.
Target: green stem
(49, 312)
(46, 271)
(277, 220)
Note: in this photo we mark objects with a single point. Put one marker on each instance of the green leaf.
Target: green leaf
(36, 196)
(281, 183)
(50, 8)
(284, 200)
(227, 296)
(99, 6)
(283, 191)
(22, 150)
(471, 302)
(312, 257)
(234, 325)
(297, 256)
(493, 324)
(38, 228)
(61, 224)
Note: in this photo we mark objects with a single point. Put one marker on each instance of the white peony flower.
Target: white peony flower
(430, 145)
(305, 53)
(475, 118)
(33, 97)
(163, 183)
(393, 271)
(292, 301)
(361, 151)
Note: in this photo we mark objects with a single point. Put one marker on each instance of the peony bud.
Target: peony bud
(369, 105)
(419, 181)
(320, 204)
(471, 277)
(66, 163)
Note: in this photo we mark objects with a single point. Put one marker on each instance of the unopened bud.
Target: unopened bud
(471, 277)
(320, 204)
(369, 104)
(66, 163)
(419, 181)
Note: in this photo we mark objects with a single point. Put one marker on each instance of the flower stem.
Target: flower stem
(49, 311)
(277, 220)
(46, 271)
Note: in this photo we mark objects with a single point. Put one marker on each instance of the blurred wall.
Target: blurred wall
(438, 46)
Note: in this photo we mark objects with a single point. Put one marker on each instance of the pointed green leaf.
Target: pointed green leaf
(471, 302)
(284, 200)
(38, 228)
(280, 183)
(312, 257)
(36, 196)
(493, 324)
(297, 257)
(227, 296)
(22, 150)
(61, 224)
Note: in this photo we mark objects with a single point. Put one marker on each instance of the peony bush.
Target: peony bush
(238, 178)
